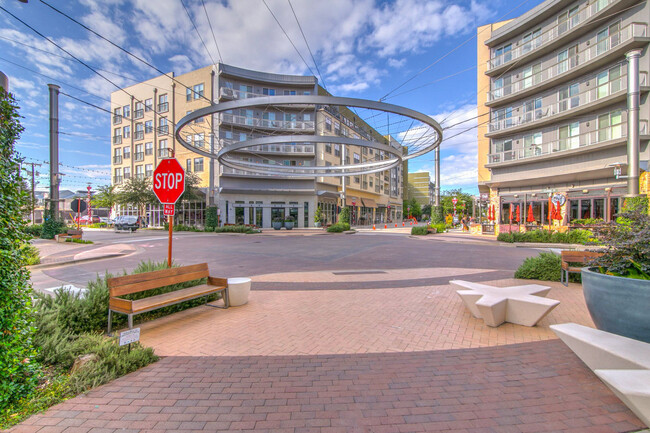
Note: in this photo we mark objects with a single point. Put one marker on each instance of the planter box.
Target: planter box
(618, 305)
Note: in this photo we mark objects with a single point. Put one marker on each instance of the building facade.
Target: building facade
(143, 133)
(420, 188)
(555, 84)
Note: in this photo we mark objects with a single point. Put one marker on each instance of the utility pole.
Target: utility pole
(54, 149)
(33, 164)
(437, 159)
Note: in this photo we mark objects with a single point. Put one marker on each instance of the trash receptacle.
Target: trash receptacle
(238, 290)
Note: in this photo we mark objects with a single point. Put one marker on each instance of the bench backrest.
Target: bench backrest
(150, 280)
(579, 256)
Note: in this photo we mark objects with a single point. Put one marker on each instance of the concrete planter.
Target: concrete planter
(618, 305)
(288, 225)
(277, 225)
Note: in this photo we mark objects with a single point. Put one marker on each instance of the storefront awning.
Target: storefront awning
(349, 200)
(368, 202)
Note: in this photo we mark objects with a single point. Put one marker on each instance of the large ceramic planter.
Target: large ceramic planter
(288, 225)
(277, 225)
(618, 305)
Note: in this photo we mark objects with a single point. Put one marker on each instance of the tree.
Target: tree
(192, 192)
(137, 192)
(426, 210)
(464, 205)
(17, 370)
(107, 196)
(416, 209)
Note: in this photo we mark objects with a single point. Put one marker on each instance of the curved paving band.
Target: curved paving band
(310, 171)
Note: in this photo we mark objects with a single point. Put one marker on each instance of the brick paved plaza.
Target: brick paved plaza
(345, 349)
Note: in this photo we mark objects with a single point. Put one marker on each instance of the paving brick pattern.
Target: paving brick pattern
(530, 387)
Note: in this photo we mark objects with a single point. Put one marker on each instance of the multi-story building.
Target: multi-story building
(143, 126)
(421, 188)
(555, 84)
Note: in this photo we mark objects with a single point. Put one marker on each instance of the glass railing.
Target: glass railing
(266, 123)
(525, 46)
(597, 49)
(273, 148)
(614, 87)
(564, 144)
(228, 170)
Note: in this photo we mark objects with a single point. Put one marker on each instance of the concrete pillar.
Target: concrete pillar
(301, 215)
(633, 122)
(266, 216)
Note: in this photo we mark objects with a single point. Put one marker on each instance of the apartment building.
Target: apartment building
(555, 84)
(421, 188)
(142, 134)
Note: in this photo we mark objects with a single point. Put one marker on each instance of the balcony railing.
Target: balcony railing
(117, 160)
(127, 155)
(148, 129)
(127, 176)
(139, 175)
(117, 179)
(229, 170)
(273, 148)
(148, 151)
(138, 114)
(614, 87)
(226, 92)
(597, 49)
(148, 173)
(164, 153)
(117, 119)
(163, 130)
(549, 35)
(582, 140)
(117, 139)
(139, 135)
(163, 108)
(266, 123)
(138, 156)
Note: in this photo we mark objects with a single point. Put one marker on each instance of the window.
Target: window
(502, 87)
(118, 176)
(337, 128)
(117, 111)
(357, 158)
(118, 172)
(148, 104)
(328, 124)
(162, 149)
(306, 92)
(198, 91)
(139, 154)
(337, 149)
(533, 144)
(162, 126)
(163, 105)
(199, 140)
(188, 94)
(531, 40)
(608, 82)
(245, 91)
(139, 131)
(568, 97)
(198, 165)
(328, 147)
(532, 75)
(502, 118)
(148, 126)
(533, 110)
(504, 51)
(127, 111)
(503, 146)
(127, 172)
(306, 117)
(148, 148)
(188, 138)
(248, 114)
(127, 152)
(117, 115)
(117, 136)
(567, 59)
(289, 92)
(148, 170)
(188, 165)
(139, 111)
(139, 171)
(609, 126)
(569, 136)
(567, 20)
(606, 39)
(127, 132)
(267, 91)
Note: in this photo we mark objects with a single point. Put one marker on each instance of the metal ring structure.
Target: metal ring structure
(308, 171)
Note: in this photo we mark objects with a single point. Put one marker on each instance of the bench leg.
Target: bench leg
(565, 278)
(226, 298)
(110, 317)
(130, 321)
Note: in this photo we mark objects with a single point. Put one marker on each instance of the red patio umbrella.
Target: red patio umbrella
(530, 218)
(558, 212)
(510, 212)
(494, 213)
(518, 214)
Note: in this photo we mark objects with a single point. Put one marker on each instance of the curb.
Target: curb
(70, 262)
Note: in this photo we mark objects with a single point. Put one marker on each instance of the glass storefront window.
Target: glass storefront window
(613, 208)
(574, 213)
(585, 208)
(599, 208)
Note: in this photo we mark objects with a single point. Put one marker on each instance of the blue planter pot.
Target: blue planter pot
(277, 226)
(618, 305)
(288, 225)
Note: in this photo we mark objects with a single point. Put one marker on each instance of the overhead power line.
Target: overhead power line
(197, 32)
(212, 30)
(306, 43)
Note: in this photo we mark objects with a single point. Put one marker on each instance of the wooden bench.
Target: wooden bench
(575, 257)
(152, 280)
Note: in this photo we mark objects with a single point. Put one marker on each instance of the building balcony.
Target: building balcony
(127, 155)
(117, 119)
(226, 92)
(138, 114)
(632, 36)
(550, 38)
(139, 135)
(604, 94)
(254, 122)
(300, 149)
(117, 180)
(612, 135)
(138, 156)
(164, 153)
(117, 139)
(163, 130)
(117, 160)
(163, 108)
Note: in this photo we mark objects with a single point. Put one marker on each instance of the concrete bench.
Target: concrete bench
(522, 305)
(622, 363)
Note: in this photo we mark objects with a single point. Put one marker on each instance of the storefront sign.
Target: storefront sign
(558, 198)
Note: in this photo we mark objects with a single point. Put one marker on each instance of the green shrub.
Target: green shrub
(440, 227)
(34, 230)
(211, 218)
(30, 254)
(338, 227)
(344, 216)
(579, 236)
(545, 267)
(633, 204)
(185, 228)
(419, 231)
(438, 215)
(78, 241)
(97, 225)
(236, 229)
(53, 227)
(17, 370)
(587, 221)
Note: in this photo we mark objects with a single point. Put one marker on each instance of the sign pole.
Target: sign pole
(169, 246)
(78, 212)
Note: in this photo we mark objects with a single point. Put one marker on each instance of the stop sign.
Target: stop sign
(169, 181)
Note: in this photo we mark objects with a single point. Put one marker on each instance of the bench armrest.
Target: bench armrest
(119, 304)
(214, 281)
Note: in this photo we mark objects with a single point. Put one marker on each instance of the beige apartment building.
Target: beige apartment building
(142, 134)
(421, 188)
(554, 84)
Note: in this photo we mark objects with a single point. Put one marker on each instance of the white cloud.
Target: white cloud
(395, 63)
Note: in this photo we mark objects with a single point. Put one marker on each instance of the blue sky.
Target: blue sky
(364, 49)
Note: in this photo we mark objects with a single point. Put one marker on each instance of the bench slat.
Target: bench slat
(149, 280)
(154, 284)
(118, 304)
(164, 299)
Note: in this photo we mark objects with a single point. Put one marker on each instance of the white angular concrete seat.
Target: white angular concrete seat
(622, 363)
(523, 305)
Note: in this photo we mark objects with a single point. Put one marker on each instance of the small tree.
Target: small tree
(192, 183)
(17, 375)
(318, 215)
(211, 218)
(416, 209)
(137, 192)
(344, 215)
(107, 196)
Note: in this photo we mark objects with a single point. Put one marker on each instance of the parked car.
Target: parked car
(87, 220)
(129, 222)
(106, 220)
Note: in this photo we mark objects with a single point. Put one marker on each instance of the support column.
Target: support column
(633, 122)
(54, 149)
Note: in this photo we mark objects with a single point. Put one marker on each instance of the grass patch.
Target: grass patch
(78, 241)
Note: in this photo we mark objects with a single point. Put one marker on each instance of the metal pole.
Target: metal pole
(437, 158)
(633, 122)
(169, 245)
(54, 149)
(343, 196)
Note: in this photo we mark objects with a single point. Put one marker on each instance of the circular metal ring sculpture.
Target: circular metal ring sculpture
(224, 157)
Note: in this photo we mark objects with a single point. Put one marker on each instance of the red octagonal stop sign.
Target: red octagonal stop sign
(169, 181)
